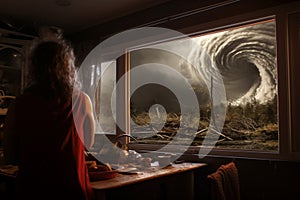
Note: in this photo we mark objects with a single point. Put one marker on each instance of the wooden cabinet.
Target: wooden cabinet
(13, 62)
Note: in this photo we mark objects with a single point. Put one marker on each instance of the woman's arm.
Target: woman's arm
(89, 123)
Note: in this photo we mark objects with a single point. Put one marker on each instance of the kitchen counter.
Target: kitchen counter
(169, 182)
(175, 181)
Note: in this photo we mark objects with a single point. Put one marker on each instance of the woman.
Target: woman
(48, 128)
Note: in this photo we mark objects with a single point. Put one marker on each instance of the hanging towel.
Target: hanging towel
(224, 183)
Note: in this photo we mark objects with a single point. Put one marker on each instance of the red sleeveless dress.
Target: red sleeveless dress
(51, 151)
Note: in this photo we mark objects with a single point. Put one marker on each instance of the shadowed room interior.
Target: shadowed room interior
(253, 44)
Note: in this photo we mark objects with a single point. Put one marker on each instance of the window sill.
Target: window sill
(192, 153)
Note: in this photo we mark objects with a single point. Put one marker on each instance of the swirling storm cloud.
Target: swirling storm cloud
(244, 56)
(246, 59)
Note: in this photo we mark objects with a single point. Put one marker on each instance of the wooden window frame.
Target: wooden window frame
(287, 82)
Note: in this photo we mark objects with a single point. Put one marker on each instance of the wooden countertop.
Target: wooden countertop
(127, 179)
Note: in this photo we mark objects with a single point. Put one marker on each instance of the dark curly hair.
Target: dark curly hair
(53, 69)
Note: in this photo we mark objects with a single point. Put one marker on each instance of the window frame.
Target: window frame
(280, 14)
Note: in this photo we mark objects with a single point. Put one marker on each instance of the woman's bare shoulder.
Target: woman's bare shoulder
(85, 96)
(87, 99)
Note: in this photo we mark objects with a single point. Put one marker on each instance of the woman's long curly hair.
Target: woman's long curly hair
(53, 69)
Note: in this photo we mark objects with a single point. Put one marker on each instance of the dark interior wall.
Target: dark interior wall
(260, 179)
(268, 179)
(175, 15)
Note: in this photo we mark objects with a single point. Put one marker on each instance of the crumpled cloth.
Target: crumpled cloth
(224, 183)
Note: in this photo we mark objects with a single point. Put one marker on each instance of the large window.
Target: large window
(245, 58)
(228, 85)
(214, 90)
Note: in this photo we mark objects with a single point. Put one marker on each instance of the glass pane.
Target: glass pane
(245, 58)
(103, 94)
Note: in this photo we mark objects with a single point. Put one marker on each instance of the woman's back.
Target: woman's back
(46, 128)
(50, 148)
